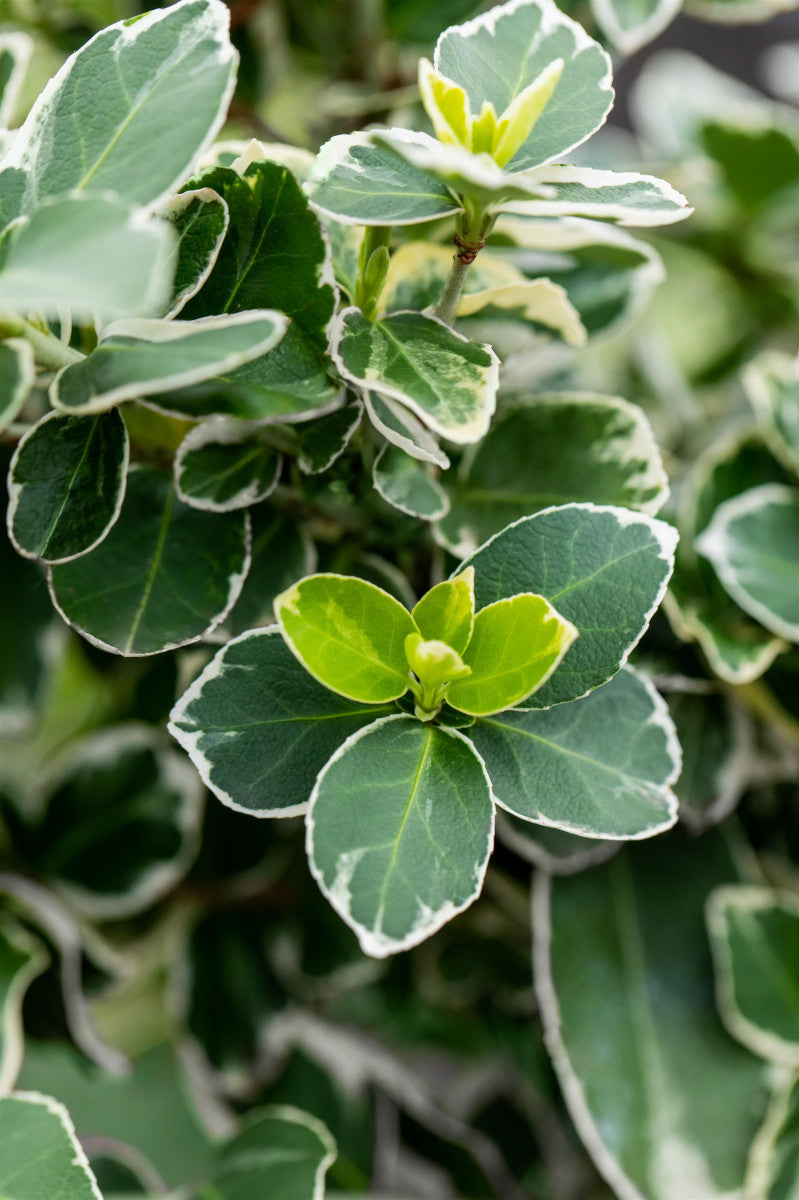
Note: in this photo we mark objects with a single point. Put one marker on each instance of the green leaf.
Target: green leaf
(625, 990)
(200, 220)
(446, 612)
(15, 53)
(609, 276)
(41, 1154)
(772, 383)
(602, 767)
(282, 552)
(604, 569)
(151, 584)
(289, 383)
(496, 56)
(119, 824)
(279, 1152)
(143, 357)
(773, 1170)
(406, 484)
(22, 959)
(349, 634)
(121, 1107)
(450, 383)
(13, 183)
(544, 453)
(717, 744)
(623, 196)
(400, 829)
(176, 61)
(274, 254)
(403, 429)
(259, 729)
(360, 183)
(56, 260)
(753, 544)
(66, 485)
(474, 176)
(755, 164)
(323, 441)
(221, 465)
(515, 646)
(17, 374)
(630, 24)
(754, 935)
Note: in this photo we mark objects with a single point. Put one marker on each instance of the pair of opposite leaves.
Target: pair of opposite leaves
(360, 642)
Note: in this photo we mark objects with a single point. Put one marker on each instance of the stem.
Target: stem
(476, 224)
(50, 352)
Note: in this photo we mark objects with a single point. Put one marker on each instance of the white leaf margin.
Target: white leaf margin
(379, 483)
(374, 942)
(20, 46)
(26, 364)
(296, 1116)
(673, 207)
(13, 1044)
(156, 330)
(628, 39)
(752, 899)
(172, 207)
(573, 1092)
(419, 442)
(15, 490)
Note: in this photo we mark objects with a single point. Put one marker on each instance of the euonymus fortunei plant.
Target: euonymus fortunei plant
(314, 443)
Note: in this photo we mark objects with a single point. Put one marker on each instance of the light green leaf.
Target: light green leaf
(496, 56)
(403, 429)
(259, 729)
(475, 176)
(753, 544)
(349, 634)
(446, 612)
(13, 183)
(144, 357)
(773, 1171)
(450, 383)
(515, 646)
(41, 1154)
(754, 935)
(221, 465)
(545, 453)
(66, 485)
(602, 767)
(289, 383)
(56, 260)
(622, 196)
(17, 373)
(200, 219)
(539, 301)
(604, 569)
(22, 958)
(400, 829)
(360, 183)
(772, 383)
(139, 809)
(274, 254)
(279, 1152)
(406, 484)
(177, 60)
(151, 584)
(630, 24)
(323, 441)
(624, 984)
(15, 52)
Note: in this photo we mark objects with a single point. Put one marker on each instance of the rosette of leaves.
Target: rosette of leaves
(396, 731)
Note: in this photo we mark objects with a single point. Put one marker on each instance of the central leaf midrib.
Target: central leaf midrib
(153, 571)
